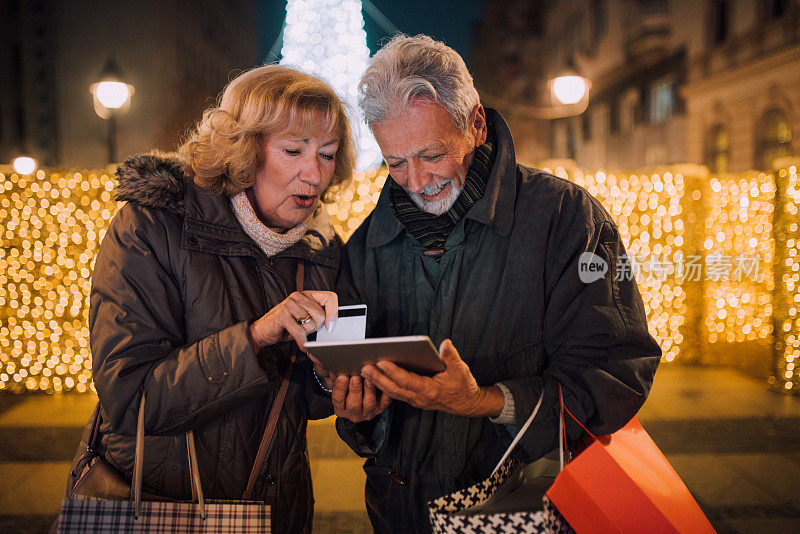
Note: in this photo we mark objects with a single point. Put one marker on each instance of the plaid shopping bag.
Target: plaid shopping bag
(84, 515)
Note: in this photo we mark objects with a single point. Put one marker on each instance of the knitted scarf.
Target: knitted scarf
(431, 230)
(267, 239)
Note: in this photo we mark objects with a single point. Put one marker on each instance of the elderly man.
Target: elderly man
(483, 255)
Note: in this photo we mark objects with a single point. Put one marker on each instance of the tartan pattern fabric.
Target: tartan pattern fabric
(83, 515)
(444, 520)
(431, 230)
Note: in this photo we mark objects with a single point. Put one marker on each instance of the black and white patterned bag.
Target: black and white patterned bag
(461, 512)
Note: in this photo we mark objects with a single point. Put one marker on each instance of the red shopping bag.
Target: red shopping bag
(623, 483)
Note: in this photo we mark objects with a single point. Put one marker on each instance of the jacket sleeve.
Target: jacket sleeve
(595, 335)
(318, 401)
(368, 437)
(139, 344)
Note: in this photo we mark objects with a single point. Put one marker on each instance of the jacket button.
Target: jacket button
(192, 240)
(397, 479)
(271, 480)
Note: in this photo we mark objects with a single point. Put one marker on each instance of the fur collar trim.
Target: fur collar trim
(154, 180)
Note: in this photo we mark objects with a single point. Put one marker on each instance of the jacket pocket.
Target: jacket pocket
(378, 483)
(378, 489)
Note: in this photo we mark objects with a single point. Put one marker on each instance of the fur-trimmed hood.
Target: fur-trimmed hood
(154, 180)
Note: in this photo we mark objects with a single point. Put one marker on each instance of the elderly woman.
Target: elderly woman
(195, 298)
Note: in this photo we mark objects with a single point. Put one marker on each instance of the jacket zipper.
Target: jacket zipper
(262, 266)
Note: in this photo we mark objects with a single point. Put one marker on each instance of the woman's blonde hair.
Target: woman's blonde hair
(225, 150)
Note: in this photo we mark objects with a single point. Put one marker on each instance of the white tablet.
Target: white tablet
(413, 353)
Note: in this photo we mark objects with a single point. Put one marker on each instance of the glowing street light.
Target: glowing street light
(569, 96)
(24, 165)
(570, 89)
(111, 97)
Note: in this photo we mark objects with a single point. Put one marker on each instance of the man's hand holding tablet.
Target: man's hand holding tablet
(353, 397)
(453, 391)
(365, 374)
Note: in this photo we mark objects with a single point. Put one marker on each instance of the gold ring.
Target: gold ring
(304, 320)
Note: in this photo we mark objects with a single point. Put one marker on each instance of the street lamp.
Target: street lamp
(569, 96)
(111, 98)
(570, 89)
(24, 165)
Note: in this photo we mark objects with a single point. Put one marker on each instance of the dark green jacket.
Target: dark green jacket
(507, 292)
(175, 285)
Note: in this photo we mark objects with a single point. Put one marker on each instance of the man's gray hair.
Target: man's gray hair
(418, 67)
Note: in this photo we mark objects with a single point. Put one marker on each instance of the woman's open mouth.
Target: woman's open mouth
(304, 201)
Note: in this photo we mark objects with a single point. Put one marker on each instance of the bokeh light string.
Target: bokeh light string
(53, 223)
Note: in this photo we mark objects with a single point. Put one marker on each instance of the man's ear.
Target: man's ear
(478, 128)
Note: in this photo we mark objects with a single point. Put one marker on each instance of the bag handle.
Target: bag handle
(266, 439)
(138, 460)
(94, 433)
(91, 449)
(138, 463)
(520, 433)
(194, 472)
(561, 429)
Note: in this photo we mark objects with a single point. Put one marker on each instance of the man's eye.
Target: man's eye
(434, 157)
(395, 165)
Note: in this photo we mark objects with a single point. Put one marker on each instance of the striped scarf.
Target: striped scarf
(431, 230)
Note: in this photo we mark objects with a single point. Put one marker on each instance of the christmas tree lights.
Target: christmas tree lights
(327, 38)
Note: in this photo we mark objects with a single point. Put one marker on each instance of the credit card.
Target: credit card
(351, 324)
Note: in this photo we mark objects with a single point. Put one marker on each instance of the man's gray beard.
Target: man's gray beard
(437, 207)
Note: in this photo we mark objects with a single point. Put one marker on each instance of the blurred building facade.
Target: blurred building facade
(673, 81)
(178, 54)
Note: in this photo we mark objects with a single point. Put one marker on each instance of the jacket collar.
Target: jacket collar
(209, 223)
(210, 219)
(494, 209)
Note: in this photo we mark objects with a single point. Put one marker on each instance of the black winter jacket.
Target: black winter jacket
(508, 292)
(176, 284)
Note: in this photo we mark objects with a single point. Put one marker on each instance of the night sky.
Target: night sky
(451, 21)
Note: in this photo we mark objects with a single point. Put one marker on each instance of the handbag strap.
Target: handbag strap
(277, 404)
(194, 474)
(91, 448)
(138, 460)
(94, 433)
(300, 275)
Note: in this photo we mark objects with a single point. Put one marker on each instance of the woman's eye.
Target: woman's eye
(328, 157)
(291, 152)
